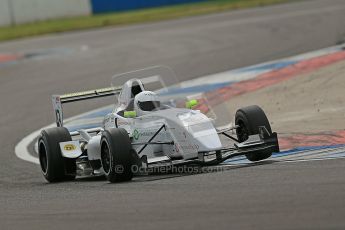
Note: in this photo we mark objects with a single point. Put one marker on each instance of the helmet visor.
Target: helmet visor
(149, 105)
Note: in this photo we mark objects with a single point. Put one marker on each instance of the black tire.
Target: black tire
(116, 155)
(249, 119)
(55, 167)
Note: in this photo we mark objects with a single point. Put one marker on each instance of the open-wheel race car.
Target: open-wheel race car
(154, 124)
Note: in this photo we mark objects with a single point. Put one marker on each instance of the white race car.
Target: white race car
(144, 132)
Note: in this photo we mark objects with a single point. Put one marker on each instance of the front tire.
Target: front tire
(54, 166)
(116, 155)
(248, 120)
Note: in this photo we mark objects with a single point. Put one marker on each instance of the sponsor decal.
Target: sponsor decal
(136, 134)
(121, 122)
(185, 135)
(70, 147)
(177, 148)
(90, 92)
(189, 147)
(148, 133)
(58, 118)
(107, 119)
(145, 133)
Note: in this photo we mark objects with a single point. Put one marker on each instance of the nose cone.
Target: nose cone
(202, 130)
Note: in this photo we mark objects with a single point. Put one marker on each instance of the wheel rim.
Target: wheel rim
(242, 132)
(105, 157)
(43, 158)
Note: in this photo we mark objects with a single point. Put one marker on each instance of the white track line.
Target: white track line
(21, 150)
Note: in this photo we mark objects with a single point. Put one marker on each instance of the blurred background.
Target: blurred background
(22, 18)
(22, 11)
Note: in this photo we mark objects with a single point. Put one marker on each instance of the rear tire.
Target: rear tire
(249, 119)
(116, 155)
(54, 166)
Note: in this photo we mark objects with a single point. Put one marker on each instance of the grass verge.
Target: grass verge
(130, 17)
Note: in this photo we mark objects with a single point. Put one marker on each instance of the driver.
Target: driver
(146, 101)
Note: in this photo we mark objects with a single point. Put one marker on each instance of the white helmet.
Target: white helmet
(146, 101)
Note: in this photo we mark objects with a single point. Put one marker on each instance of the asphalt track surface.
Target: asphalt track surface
(300, 195)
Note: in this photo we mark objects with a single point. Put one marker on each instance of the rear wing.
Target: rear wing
(59, 100)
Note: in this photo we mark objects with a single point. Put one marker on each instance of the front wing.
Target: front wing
(256, 144)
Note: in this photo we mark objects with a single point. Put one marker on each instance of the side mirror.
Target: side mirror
(190, 104)
(130, 114)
